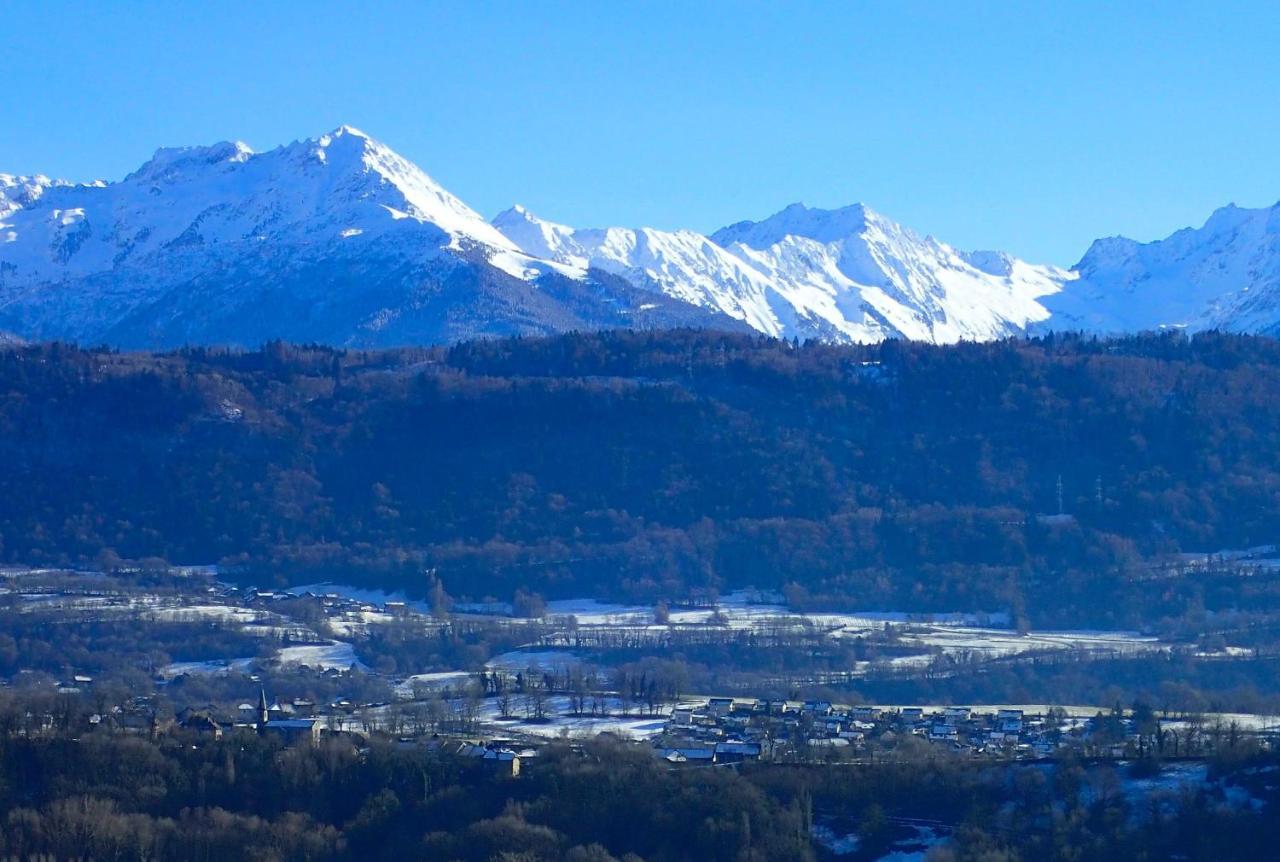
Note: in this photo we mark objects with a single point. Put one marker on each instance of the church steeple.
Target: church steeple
(264, 712)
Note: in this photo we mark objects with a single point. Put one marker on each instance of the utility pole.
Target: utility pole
(1059, 493)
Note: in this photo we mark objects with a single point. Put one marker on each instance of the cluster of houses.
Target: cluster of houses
(333, 604)
(502, 756)
(292, 721)
(729, 730)
(288, 721)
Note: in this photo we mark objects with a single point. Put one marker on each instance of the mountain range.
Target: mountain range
(340, 240)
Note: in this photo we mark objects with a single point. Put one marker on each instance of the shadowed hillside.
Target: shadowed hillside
(660, 463)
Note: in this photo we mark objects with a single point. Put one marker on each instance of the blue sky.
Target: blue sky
(1031, 127)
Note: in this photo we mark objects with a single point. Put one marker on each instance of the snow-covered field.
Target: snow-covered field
(335, 654)
(438, 681)
(519, 660)
(742, 609)
(978, 635)
(221, 613)
(199, 668)
(354, 623)
(996, 642)
(560, 722)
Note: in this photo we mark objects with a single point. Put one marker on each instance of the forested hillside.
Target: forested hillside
(659, 464)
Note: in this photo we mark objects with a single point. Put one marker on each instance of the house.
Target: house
(682, 715)
(143, 723)
(736, 752)
(942, 732)
(504, 761)
(720, 705)
(837, 742)
(704, 756)
(817, 707)
(293, 730)
(911, 713)
(1011, 726)
(201, 723)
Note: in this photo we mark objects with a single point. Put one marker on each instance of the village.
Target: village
(308, 645)
(716, 731)
(738, 685)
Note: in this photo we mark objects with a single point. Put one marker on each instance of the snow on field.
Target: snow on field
(407, 688)
(1243, 720)
(355, 623)
(222, 613)
(592, 612)
(207, 668)
(986, 633)
(519, 660)
(994, 642)
(76, 601)
(265, 630)
(742, 610)
(903, 661)
(58, 600)
(335, 654)
(983, 634)
(487, 609)
(1171, 779)
(560, 722)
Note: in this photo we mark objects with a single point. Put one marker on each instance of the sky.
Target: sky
(1028, 127)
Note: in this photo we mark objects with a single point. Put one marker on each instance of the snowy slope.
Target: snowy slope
(338, 239)
(1224, 275)
(341, 185)
(680, 264)
(335, 239)
(869, 277)
(19, 192)
(843, 275)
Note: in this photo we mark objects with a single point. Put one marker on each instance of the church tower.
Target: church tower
(264, 713)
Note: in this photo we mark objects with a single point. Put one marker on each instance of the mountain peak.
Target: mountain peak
(514, 213)
(168, 162)
(539, 237)
(344, 130)
(797, 219)
(17, 192)
(347, 138)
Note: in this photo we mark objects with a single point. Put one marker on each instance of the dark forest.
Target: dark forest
(1053, 477)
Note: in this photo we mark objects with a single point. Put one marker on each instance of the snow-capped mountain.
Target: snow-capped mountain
(19, 192)
(846, 275)
(868, 278)
(334, 239)
(681, 264)
(338, 239)
(1224, 275)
